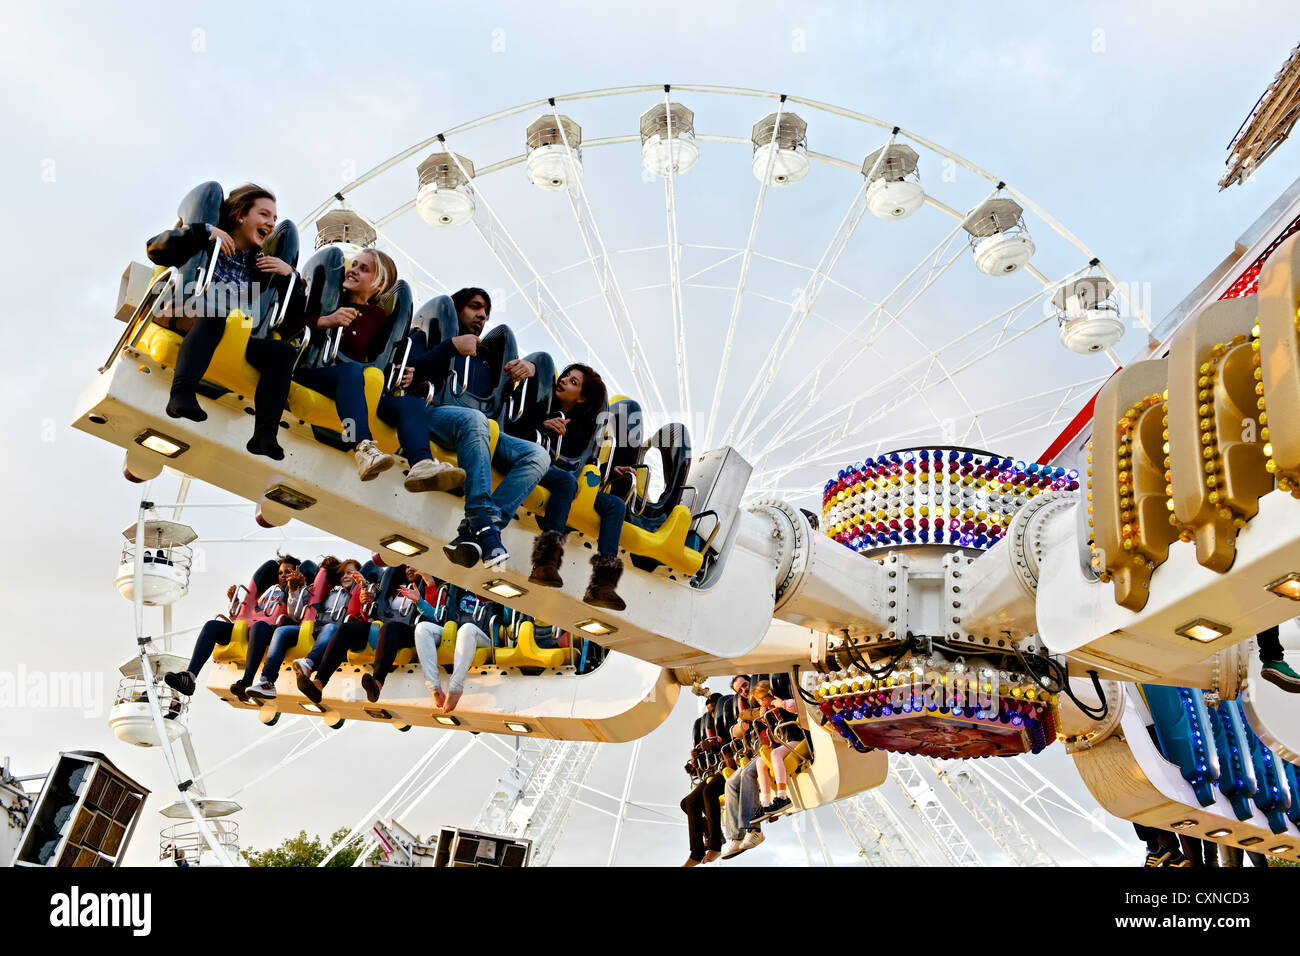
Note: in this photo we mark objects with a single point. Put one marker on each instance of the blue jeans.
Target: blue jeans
(345, 382)
(741, 804)
(322, 639)
(563, 486)
(612, 510)
(406, 414)
(524, 463)
(281, 641)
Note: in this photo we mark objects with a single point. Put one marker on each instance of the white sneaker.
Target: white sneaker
(262, 689)
(371, 461)
(434, 475)
(734, 848)
(752, 839)
(303, 667)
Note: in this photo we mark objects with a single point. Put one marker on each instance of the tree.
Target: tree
(302, 850)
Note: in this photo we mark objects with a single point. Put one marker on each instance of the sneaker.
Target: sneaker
(489, 542)
(262, 689)
(734, 848)
(752, 839)
(307, 686)
(778, 806)
(303, 667)
(371, 461)
(463, 550)
(1178, 860)
(758, 818)
(691, 861)
(1281, 674)
(240, 690)
(434, 475)
(1156, 858)
(180, 681)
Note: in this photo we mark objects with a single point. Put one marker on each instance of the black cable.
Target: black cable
(806, 697)
(1095, 714)
(890, 665)
(1061, 679)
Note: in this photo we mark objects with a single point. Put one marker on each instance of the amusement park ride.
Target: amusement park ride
(948, 601)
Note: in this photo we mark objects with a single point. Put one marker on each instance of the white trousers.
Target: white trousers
(469, 638)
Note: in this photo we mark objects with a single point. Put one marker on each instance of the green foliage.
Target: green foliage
(302, 850)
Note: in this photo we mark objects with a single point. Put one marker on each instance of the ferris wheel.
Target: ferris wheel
(803, 282)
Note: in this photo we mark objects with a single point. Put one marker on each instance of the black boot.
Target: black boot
(183, 403)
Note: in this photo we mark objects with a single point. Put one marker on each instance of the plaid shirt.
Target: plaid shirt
(238, 269)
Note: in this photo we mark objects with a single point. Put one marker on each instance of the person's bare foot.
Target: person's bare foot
(710, 856)
(453, 699)
(439, 698)
(690, 862)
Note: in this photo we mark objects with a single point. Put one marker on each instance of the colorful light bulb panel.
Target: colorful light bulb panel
(942, 496)
(938, 708)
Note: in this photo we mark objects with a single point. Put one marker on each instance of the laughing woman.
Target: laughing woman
(247, 219)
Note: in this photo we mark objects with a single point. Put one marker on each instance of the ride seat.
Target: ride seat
(447, 648)
(526, 653)
(236, 651)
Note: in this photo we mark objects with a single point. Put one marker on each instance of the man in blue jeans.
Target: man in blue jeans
(458, 419)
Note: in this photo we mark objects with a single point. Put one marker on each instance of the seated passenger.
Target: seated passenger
(779, 711)
(369, 277)
(1274, 668)
(248, 217)
(702, 805)
(579, 397)
(464, 608)
(286, 635)
(741, 804)
(398, 630)
(349, 629)
(292, 586)
(335, 611)
(453, 424)
(219, 630)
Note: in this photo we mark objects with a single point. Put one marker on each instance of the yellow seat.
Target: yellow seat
(447, 648)
(666, 545)
(526, 653)
(231, 370)
(367, 654)
(236, 652)
(306, 638)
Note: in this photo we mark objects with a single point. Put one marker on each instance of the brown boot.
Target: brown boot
(548, 549)
(606, 569)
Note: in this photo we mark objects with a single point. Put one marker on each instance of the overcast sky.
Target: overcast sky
(1113, 117)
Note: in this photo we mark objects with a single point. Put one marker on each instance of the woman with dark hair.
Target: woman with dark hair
(248, 217)
(579, 398)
